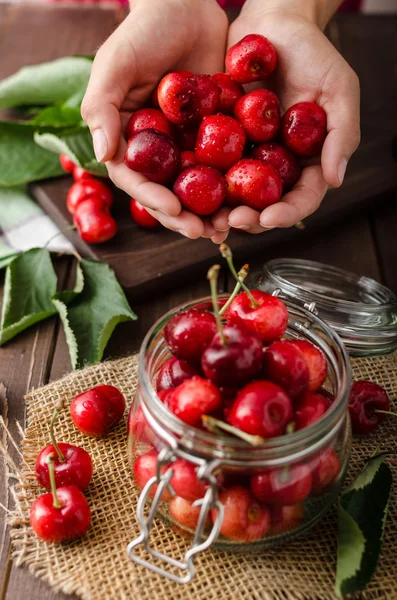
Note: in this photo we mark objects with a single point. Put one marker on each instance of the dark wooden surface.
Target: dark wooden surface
(364, 241)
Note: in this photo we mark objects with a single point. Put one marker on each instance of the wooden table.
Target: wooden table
(364, 242)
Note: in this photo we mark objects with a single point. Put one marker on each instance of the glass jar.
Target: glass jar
(312, 461)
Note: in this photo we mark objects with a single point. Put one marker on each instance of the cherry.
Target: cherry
(309, 409)
(188, 159)
(261, 408)
(189, 333)
(194, 398)
(365, 400)
(173, 372)
(147, 118)
(80, 174)
(220, 142)
(97, 410)
(244, 520)
(285, 365)
(139, 427)
(259, 114)
(285, 518)
(252, 59)
(288, 485)
(316, 362)
(87, 188)
(61, 515)
(200, 189)
(325, 468)
(155, 100)
(66, 163)
(304, 128)
(72, 465)
(154, 155)
(186, 99)
(185, 482)
(254, 184)
(231, 91)
(93, 222)
(145, 467)
(282, 160)
(185, 513)
(186, 136)
(141, 216)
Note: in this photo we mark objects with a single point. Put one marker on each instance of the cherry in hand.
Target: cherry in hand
(153, 154)
(304, 128)
(253, 58)
(97, 410)
(285, 163)
(147, 118)
(220, 142)
(253, 183)
(231, 91)
(200, 189)
(369, 405)
(259, 114)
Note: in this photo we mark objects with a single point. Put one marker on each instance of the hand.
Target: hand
(156, 37)
(309, 69)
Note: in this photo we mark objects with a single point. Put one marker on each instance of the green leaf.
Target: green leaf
(57, 116)
(21, 160)
(76, 143)
(6, 260)
(30, 282)
(362, 513)
(47, 83)
(75, 100)
(90, 316)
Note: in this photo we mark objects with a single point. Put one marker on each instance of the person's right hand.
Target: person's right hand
(156, 37)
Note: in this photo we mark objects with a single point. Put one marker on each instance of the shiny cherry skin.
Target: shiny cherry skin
(76, 469)
(88, 188)
(268, 318)
(285, 518)
(155, 100)
(173, 372)
(153, 154)
(93, 222)
(261, 408)
(325, 469)
(285, 365)
(245, 519)
(97, 410)
(188, 159)
(316, 362)
(259, 114)
(231, 91)
(57, 525)
(285, 163)
(80, 174)
(253, 58)
(185, 482)
(185, 513)
(309, 409)
(66, 163)
(289, 485)
(364, 400)
(220, 142)
(236, 362)
(252, 183)
(145, 467)
(304, 128)
(189, 333)
(200, 189)
(147, 118)
(141, 216)
(194, 398)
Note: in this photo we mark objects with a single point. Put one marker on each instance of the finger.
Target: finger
(209, 230)
(186, 223)
(219, 237)
(220, 219)
(244, 218)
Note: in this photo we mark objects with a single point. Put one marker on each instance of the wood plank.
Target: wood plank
(384, 222)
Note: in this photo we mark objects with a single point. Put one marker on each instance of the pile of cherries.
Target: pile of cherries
(212, 143)
(63, 514)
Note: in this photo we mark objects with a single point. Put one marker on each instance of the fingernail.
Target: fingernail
(100, 144)
(221, 230)
(183, 232)
(244, 227)
(342, 170)
(268, 227)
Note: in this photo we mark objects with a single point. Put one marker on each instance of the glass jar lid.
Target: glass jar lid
(362, 311)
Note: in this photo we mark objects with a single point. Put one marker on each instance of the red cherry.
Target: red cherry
(145, 467)
(173, 372)
(268, 318)
(285, 365)
(194, 398)
(252, 59)
(76, 468)
(254, 184)
(139, 427)
(88, 188)
(186, 99)
(261, 408)
(93, 222)
(365, 399)
(289, 485)
(66, 163)
(185, 513)
(231, 91)
(286, 518)
(186, 137)
(97, 410)
(147, 118)
(141, 216)
(220, 142)
(259, 114)
(316, 362)
(309, 409)
(185, 482)
(188, 159)
(80, 174)
(155, 100)
(189, 333)
(154, 155)
(235, 362)
(245, 520)
(325, 468)
(304, 128)
(200, 189)
(282, 160)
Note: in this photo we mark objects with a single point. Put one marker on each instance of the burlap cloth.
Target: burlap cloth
(97, 567)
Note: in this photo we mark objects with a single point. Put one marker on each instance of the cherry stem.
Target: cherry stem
(386, 412)
(65, 230)
(290, 428)
(242, 274)
(213, 425)
(212, 277)
(300, 225)
(51, 469)
(55, 415)
(227, 254)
